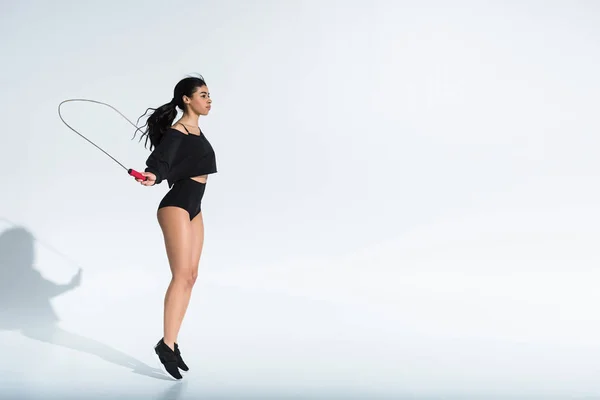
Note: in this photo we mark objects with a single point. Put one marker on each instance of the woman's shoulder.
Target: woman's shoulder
(175, 130)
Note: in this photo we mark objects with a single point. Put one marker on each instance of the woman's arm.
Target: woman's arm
(161, 159)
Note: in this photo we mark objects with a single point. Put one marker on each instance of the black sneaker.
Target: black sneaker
(168, 359)
(180, 363)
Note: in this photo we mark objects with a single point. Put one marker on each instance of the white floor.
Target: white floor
(478, 314)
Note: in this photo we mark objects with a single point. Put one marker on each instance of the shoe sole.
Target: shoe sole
(163, 369)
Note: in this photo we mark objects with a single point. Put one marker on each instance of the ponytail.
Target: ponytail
(158, 122)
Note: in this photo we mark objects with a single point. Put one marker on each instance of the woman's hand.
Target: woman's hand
(150, 179)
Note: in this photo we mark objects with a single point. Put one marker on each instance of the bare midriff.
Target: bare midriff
(200, 178)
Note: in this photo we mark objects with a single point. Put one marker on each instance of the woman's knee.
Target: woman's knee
(186, 278)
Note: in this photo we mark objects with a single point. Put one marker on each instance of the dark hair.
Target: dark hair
(162, 117)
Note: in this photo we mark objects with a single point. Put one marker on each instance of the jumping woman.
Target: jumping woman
(182, 156)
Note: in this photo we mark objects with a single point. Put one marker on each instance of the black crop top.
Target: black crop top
(179, 156)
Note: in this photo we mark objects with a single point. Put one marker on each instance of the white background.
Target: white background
(407, 201)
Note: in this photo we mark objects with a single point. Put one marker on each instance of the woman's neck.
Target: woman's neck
(190, 120)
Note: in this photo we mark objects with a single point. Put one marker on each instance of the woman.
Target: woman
(183, 156)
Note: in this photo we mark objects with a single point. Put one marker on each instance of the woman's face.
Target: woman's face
(200, 101)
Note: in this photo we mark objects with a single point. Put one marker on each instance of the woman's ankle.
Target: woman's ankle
(169, 343)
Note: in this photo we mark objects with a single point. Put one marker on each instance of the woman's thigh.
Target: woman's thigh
(177, 232)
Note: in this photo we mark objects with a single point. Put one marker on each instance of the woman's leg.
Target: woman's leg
(177, 232)
(197, 242)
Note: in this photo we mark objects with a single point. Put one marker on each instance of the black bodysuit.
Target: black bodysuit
(179, 156)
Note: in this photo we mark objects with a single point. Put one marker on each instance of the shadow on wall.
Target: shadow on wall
(25, 304)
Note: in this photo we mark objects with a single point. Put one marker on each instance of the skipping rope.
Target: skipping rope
(130, 171)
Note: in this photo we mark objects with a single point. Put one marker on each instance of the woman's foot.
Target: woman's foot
(168, 359)
(180, 363)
